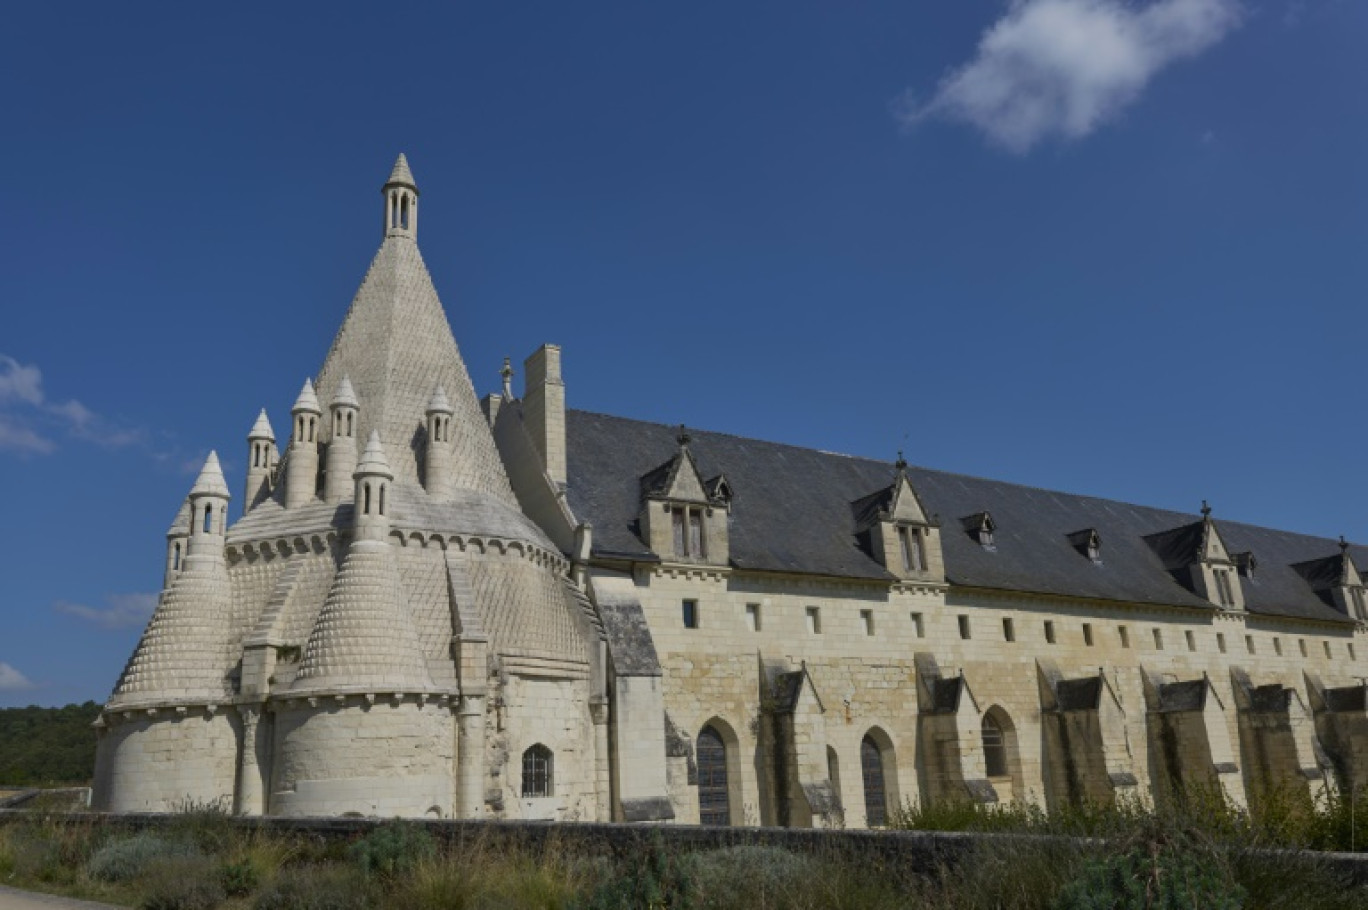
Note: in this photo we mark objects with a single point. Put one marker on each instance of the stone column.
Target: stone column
(250, 789)
(598, 710)
(470, 757)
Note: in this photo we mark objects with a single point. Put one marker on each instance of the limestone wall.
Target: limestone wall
(163, 761)
(554, 713)
(381, 759)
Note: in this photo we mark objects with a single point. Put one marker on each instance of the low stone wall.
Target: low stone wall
(926, 851)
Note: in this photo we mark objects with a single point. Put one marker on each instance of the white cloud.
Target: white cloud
(1064, 67)
(121, 611)
(11, 680)
(28, 419)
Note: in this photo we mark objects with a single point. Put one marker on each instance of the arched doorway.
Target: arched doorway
(875, 790)
(714, 794)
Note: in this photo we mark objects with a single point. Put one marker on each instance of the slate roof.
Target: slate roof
(792, 511)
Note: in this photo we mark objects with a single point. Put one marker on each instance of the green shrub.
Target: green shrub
(239, 878)
(659, 882)
(745, 875)
(393, 848)
(182, 883)
(316, 888)
(127, 858)
(1160, 877)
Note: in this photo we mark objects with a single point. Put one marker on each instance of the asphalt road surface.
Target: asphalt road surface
(14, 899)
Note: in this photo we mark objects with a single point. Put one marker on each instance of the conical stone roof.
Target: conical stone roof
(364, 639)
(345, 394)
(210, 481)
(401, 173)
(262, 428)
(396, 344)
(438, 404)
(183, 655)
(307, 400)
(373, 460)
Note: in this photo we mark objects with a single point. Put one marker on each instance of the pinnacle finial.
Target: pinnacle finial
(901, 463)
(345, 394)
(683, 437)
(262, 428)
(1206, 509)
(438, 404)
(307, 400)
(507, 374)
(1344, 544)
(373, 460)
(210, 481)
(400, 175)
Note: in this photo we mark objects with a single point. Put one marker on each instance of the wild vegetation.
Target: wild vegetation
(45, 747)
(1202, 854)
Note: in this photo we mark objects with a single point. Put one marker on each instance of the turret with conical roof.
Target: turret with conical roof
(401, 201)
(341, 461)
(184, 655)
(261, 456)
(437, 463)
(301, 464)
(373, 477)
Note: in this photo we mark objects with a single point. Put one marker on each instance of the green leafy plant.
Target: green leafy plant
(393, 848)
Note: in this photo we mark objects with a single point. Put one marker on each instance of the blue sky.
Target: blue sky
(1112, 248)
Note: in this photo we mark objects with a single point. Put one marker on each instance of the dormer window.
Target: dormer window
(688, 531)
(1089, 543)
(1225, 594)
(980, 526)
(913, 549)
(1245, 564)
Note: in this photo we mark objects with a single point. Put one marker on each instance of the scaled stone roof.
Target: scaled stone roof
(396, 345)
(401, 173)
(307, 400)
(364, 638)
(345, 394)
(262, 428)
(210, 481)
(792, 512)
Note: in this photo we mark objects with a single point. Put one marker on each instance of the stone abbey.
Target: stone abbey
(436, 605)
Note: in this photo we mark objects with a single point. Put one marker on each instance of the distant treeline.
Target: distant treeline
(47, 746)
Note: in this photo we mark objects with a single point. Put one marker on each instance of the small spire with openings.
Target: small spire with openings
(401, 201)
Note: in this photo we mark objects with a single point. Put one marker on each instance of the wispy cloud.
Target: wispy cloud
(1063, 67)
(120, 611)
(11, 680)
(30, 421)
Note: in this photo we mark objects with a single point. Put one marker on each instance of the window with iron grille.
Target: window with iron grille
(714, 806)
(872, 769)
(536, 772)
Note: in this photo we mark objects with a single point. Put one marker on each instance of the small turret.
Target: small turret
(177, 543)
(373, 478)
(401, 201)
(341, 461)
(260, 460)
(301, 468)
(437, 467)
(208, 511)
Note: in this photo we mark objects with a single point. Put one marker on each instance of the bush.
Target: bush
(207, 824)
(393, 848)
(128, 858)
(1161, 877)
(660, 883)
(316, 888)
(182, 883)
(239, 878)
(745, 875)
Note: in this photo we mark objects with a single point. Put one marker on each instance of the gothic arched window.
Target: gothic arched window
(714, 798)
(537, 768)
(994, 747)
(872, 769)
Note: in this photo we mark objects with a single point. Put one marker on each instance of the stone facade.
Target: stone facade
(510, 609)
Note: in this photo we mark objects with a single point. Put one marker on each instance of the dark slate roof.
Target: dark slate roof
(793, 510)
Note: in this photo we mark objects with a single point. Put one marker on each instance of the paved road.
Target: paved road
(14, 899)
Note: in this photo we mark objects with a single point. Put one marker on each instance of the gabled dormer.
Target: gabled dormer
(684, 519)
(1198, 559)
(1337, 581)
(981, 529)
(1088, 543)
(894, 527)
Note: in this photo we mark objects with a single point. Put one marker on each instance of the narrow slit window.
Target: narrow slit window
(867, 621)
(964, 627)
(1249, 643)
(1124, 634)
(1277, 646)
(918, 625)
(814, 620)
(1191, 640)
(1008, 629)
(1087, 634)
(365, 496)
(1328, 655)
(753, 617)
(1220, 642)
(1301, 646)
(1158, 639)
(696, 533)
(175, 563)
(208, 517)
(1049, 631)
(690, 612)
(382, 499)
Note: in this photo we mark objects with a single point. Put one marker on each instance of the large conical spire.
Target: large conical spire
(396, 346)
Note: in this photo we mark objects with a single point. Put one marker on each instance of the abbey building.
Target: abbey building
(436, 605)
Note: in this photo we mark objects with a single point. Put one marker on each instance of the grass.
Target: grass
(1201, 853)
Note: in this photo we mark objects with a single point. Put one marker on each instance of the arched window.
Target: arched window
(714, 797)
(382, 499)
(365, 491)
(994, 747)
(875, 794)
(537, 767)
(208, 517)
(349, 422)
